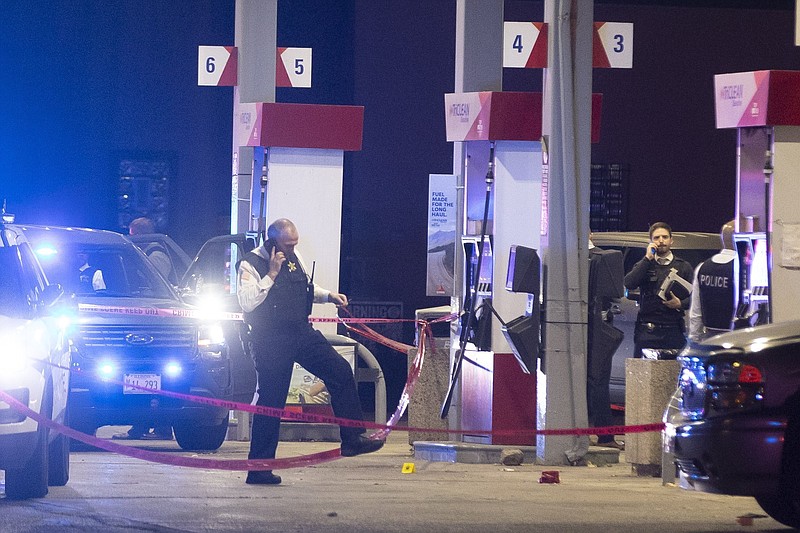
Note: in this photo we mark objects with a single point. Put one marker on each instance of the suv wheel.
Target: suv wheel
(30, 481)
(191, 436)
(58, 459)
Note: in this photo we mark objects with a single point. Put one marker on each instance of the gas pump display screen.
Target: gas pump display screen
(758, 266)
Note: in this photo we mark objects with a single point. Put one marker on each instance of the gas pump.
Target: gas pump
(763, 106)
(501, 133)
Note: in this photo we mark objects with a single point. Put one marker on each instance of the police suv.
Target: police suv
(134, 334)
(34, 363)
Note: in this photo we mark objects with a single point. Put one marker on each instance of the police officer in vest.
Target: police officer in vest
(90, 278)
(276, 296)
(715, 294)
(660, 323)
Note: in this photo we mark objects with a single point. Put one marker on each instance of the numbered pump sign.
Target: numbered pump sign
(293, 67)
(217, 66)
(525, 45)
(613, 45)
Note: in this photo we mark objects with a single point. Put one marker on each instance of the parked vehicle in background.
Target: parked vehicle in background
(205, 282)
(733, 424)
(693, 247)
(178, 258)
(122, 335)
(34, 363)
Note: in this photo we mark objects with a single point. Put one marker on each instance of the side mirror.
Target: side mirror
(51, 295)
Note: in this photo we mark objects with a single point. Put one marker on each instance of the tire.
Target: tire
(58, 458)
(781, 509)
(192, 436)
(785, 505)
(78, 446)
(30, 481)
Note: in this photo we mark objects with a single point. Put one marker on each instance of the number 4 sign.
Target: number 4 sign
(293, 67)
(525, 44)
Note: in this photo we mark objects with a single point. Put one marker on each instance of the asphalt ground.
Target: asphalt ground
(378, 492)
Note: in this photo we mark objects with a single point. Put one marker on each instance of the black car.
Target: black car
(121, 338)
(734, 422)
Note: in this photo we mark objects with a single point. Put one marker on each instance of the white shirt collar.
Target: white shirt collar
(665, 260)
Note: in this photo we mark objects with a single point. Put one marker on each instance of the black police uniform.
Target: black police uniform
(281, 335)
(657, 326)
(717, 297)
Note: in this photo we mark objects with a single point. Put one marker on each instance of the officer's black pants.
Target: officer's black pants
(275, 353)
(659, 336)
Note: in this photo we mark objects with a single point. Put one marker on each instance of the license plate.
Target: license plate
(151, 381)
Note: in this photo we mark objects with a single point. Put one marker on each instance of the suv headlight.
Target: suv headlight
(211, 340)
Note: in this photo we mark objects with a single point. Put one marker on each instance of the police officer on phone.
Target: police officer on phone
(660, 323)
(276, 295)
(715, 294)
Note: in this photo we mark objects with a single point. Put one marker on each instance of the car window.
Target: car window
(103, 271)
(212, 267)
(13, 301)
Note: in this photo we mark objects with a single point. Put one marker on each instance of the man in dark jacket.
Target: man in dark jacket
(276, 296)
(660, 323)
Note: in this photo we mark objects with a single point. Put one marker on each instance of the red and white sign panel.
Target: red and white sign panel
(613, 45)
(757, 98)
(525, 44)
(217, 65)
(293, 67)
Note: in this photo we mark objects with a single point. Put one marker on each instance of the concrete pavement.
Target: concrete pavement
(113, 493)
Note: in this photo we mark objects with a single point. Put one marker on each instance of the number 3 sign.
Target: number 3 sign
(616, 39)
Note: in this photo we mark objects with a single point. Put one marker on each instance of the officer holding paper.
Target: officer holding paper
(664, 282)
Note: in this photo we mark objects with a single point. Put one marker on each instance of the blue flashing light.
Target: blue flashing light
(46, 251)
(173, 369)
(105, 370)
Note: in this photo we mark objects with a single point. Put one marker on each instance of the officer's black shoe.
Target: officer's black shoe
(262, 477)
(359, 445)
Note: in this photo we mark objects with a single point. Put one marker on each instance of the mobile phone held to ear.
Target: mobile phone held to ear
(270, 247)
(653, 250)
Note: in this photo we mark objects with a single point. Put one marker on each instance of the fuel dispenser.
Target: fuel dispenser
(503, 188)
(764, 106)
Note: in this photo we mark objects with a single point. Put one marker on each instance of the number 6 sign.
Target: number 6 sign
(217, 65)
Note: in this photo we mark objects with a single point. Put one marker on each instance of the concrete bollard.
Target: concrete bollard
(649, 384)
(426, 402)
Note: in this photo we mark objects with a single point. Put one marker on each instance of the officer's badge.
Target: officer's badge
(292, 266)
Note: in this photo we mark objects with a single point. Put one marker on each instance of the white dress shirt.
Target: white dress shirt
(252, 289)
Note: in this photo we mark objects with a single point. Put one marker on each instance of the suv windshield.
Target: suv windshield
(12, 296)
(93, 270)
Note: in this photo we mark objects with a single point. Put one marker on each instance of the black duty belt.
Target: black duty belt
(651, 326)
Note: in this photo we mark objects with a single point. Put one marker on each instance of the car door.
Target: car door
(210, 282)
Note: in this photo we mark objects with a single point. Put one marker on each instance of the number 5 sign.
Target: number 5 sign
(293, 67)
(613, 45)
(217, 65)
